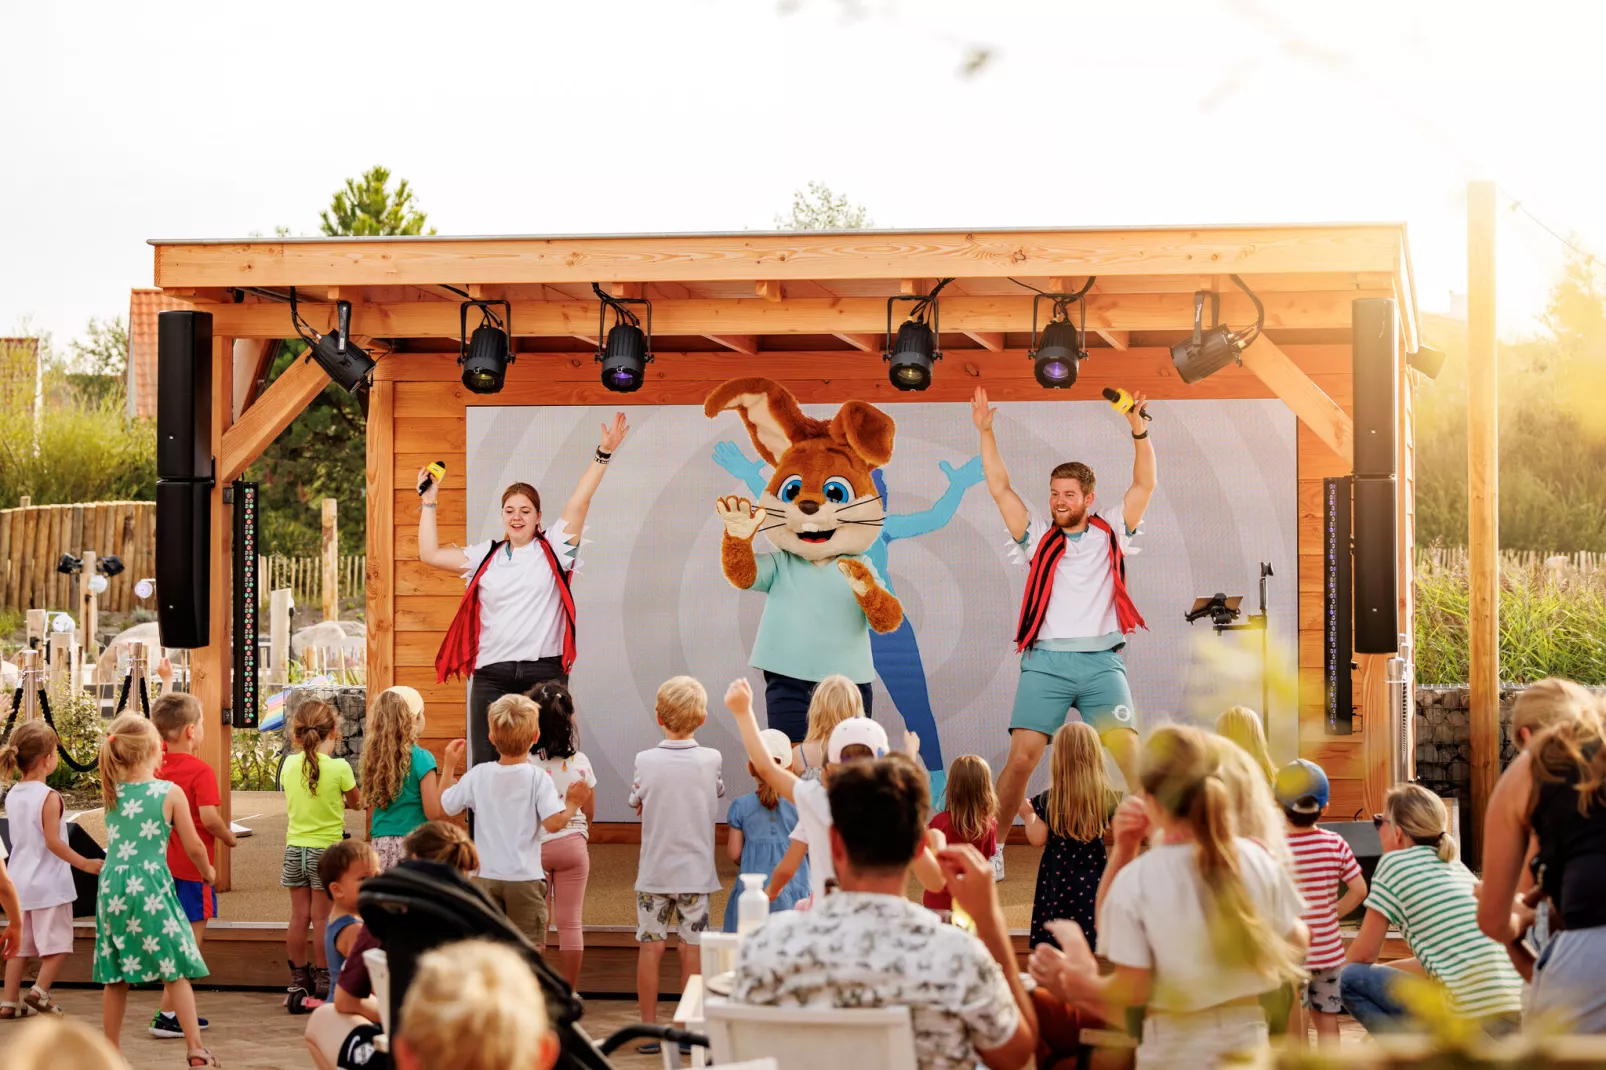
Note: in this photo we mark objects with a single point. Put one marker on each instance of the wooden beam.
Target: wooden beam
(1324, 416)
(741, 343)
(915, 287)
(1483, 505)
(631, 290)
(381, 536)
(866, 343)
(990, 340)
(1066, 284)
(279, 404)
(482, 292)
(786, 256)
(838, 316)
(440, 291)
(209, 665)
(264, 363)
(1115, 339)
(769, 289)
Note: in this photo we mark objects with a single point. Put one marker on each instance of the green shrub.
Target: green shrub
(87, 451)
(78, 725)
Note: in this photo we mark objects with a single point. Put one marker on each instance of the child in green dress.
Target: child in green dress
(141, 932)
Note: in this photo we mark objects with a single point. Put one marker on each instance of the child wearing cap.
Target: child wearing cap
(1321, 861)
(761, 825)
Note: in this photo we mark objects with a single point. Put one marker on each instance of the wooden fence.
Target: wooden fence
(32, 540)
(1454, 558)
(304, 576)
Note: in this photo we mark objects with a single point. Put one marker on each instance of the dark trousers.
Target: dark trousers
(491, 682)
(786, 703)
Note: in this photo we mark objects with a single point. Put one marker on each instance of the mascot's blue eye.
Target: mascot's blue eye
(838, 490)
(791, 489)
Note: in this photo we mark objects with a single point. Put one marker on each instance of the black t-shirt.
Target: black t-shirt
(1572, 849)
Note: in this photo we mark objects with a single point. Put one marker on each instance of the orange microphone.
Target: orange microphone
(1121, 401)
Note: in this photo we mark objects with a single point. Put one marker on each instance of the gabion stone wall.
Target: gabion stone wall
(351, 710)
(1443, 748)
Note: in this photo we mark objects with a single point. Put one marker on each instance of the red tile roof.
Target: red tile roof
(143, 305)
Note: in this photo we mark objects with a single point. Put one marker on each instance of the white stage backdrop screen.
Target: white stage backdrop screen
(652, 601)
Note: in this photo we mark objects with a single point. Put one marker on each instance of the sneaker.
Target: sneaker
(165, 1025)
(998, 864)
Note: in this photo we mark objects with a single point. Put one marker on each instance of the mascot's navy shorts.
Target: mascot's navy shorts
(1054, 681)
(786, 703)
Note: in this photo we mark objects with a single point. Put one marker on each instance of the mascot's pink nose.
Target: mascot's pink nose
(808, 508)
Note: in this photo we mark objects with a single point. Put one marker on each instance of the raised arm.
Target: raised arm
(574, 510)
(430, 550)
(961, 479)
(739, 700)
(729, 456)
(1143, 467)
(1010, 507)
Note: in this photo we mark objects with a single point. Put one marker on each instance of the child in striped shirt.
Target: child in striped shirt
(1322, 860)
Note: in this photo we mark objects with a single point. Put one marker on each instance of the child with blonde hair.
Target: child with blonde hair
(41, 867)
(1241, 725)
(141, 932)
(474, 989)
(1068, 822)
(970, 817)
(318, 789)
(1546, 703)
(400, 784)
(835, 699)
(513, 801)
(676, 792)
(1255, 813)
(761, 825)
(1198, 928)
(55, 1044)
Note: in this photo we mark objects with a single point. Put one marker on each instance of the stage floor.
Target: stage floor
(256, 896)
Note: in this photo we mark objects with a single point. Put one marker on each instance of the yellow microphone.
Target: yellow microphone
(1121, 401)
(433, 471)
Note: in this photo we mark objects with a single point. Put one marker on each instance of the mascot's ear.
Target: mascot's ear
(866, 430)
(769, 412)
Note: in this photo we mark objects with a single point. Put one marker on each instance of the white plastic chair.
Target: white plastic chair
(808, 1038)
(718, 952)
(379, 980)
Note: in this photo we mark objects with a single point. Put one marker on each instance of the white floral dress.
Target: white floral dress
(141, 933)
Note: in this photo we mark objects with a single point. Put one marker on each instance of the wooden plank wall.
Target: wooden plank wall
(424, 409)
(32, 540)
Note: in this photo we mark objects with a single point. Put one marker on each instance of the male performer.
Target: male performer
(1076, 614)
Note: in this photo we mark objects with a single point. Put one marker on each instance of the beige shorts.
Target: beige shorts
(47, 931)
(657, 911)
(524, 903)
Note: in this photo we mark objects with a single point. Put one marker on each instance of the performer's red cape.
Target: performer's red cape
(462, 643)
(1040, 585)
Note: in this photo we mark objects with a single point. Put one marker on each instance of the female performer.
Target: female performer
(515, 626)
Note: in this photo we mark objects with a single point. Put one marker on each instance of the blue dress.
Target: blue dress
(766, 835)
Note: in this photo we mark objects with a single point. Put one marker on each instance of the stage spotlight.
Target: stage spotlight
(911, 355)
(1210, 350)
(69, 565)
(626, 349)
(1057, 353)
(111, 564)
(1430, 362)
(485, 356)
(348, 366)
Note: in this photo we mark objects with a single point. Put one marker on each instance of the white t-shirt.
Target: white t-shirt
(678, 785)
(521, 612)
(1081, 610)
(509, 804)
(565, 772)
(814, 828)
(1155, 917)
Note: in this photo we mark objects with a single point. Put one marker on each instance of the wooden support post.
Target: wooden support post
(1483, 505)
(209, 665)
(28, 662)
(61, 645)
(331, 561)
(381, 594)
(90, 611)
(279, 634)
(38, 626)
(1324, 416)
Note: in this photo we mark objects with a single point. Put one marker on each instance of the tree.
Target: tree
(322, 454)
(368, 207)
(817, 208)
(103, 350)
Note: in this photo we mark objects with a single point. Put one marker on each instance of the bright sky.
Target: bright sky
(219, 119)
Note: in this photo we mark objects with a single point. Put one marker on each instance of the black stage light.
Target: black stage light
(111, 564)
(626, 349)
(485, 356)
(348, 366)
(1430, 362)
(1210, 350)
(912, 353)
(1057, 353)
(69, 565)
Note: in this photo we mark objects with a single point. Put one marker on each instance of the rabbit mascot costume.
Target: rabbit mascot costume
(821, 512)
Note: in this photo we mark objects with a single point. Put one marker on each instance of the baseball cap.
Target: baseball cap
(410, 695)
(779, 744)
(857, 730)
(1301, 786)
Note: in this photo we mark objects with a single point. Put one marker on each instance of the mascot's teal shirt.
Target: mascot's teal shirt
(812, 624)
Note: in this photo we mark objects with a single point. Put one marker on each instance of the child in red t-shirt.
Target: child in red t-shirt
(177, 716)
(970, 817)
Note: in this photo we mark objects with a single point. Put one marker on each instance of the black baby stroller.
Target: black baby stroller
(418, 906)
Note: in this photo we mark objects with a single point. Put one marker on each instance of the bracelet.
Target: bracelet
(601, 457)
(428, 505)
(1139, 438)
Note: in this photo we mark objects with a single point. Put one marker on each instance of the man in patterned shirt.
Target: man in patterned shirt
(869, 945)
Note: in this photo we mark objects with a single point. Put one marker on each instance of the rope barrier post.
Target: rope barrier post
(90, 622)
(29, 679)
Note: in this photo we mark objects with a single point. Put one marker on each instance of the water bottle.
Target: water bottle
(753, 906)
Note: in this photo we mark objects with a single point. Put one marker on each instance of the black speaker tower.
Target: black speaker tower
(183, 477)
(1375, 341)
(1337, 649)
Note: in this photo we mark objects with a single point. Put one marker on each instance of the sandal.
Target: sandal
(41, 1003)
(203, 1054)
(12, 1011)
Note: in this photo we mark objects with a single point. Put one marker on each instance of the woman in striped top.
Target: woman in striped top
(1421, 887)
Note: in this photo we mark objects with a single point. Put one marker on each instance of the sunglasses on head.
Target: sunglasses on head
(1378, 820)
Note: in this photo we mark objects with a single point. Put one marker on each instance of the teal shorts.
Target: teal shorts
(1053, 682)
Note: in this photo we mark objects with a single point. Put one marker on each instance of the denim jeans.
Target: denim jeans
(491, 682)
(1369, 993)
